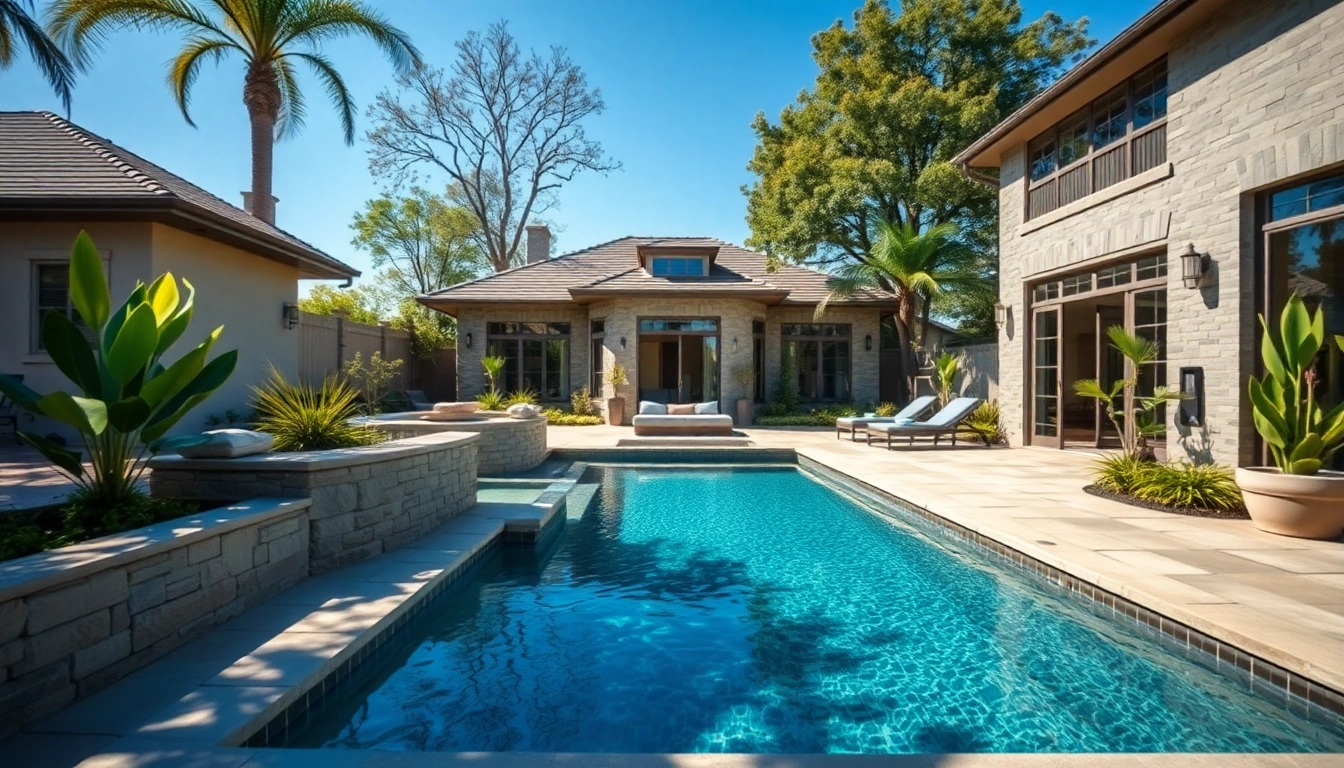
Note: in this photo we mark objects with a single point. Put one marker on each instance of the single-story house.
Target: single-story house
(692, 319)
(1186, 177)
(57, 178)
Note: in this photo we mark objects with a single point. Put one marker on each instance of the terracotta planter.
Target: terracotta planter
(745, 412)
(616, 411)
(1305, 506)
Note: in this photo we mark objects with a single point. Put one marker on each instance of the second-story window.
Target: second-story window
(1119, 135)
(672, 266)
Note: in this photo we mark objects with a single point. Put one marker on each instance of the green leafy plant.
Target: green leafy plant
(304, 418)
(126, 398)
(1301, 436)
(744, 376)
(1119, 473)
(824, 416)
(886, 409)
(524, 396)
(491, 401)
(559, 418)
(986, 422)
(1144, 413)
(82, 517)
(946, 367)
(1199, 486)
(581, 402)
(372, 380)
(494, 368)
(616, 376)
(786, 397)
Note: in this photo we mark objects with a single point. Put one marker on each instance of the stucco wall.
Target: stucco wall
(126, 250)
(1254, 100)
(245, 294)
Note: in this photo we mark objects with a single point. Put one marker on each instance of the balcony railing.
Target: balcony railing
(1139, 152)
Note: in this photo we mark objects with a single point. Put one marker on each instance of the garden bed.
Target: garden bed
(1237, 513)
(31, 531)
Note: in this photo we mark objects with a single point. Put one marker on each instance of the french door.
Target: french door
(1047, 367)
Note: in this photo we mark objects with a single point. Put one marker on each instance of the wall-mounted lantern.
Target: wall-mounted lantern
(290, 313)
(1000, 315)
(467, 339)
(868, 342)
(622, 342)
(1194, 266)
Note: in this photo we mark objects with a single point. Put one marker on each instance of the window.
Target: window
(1148, 268)
(1307, 198)
(51, 293)
(536, 357)
(698, 325)
(758, 360)
(1118, 136)
(597, 331)
(672, 266)
(820, 355)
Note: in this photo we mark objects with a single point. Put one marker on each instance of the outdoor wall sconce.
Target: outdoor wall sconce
(734, 343)
(622, 342)
(868, 343)
(291, 315)
(1000, 315)
(467, 339)
(1194, 266)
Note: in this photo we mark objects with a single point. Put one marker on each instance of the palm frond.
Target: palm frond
(56, 67)
(315, 21)
(81, 26)
(336, 90)
(293, 108)
(1138, 350)
(186, 67)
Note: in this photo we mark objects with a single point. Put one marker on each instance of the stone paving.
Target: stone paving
(27, 480)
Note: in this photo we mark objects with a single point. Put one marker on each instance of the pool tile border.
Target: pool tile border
(1220, 657)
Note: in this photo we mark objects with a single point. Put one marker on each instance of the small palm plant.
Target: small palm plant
(946, 367)
(126, 397)
(1122, 405)
(304, 418)
(494, 368)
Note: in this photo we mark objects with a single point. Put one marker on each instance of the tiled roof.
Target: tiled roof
(611, 269)
(49, 164)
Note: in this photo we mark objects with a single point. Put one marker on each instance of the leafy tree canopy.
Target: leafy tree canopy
(425, 242)
(897, 96)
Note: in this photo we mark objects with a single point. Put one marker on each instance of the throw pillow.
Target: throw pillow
(711, 408)
(647, 408)
(228, 444)
(687, 409)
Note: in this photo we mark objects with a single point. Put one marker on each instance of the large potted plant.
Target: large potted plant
(1295, 497)
(745, 378)
(616, 404)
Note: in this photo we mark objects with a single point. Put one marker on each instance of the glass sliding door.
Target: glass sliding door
(1045, 373)
(679, 360)
(821, 356)
(1150, 322)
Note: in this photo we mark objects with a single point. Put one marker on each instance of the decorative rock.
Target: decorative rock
(451, 412)
(524, 411)
(229, 444)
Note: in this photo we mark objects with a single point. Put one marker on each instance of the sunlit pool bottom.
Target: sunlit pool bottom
(755, 610)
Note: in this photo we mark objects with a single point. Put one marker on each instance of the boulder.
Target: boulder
(228, 444)
(461, 409)
(524, 411)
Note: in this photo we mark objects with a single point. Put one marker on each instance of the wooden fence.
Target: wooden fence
(978, 366)
(326, 342)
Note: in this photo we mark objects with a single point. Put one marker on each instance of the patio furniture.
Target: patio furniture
(418, 400)
(9, 412)
(914, 410)
(704, 420)
(945, 422)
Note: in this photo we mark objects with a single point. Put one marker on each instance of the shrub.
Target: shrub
(302, 418)
(985, 421)
(1119, 473)
(616, 376)
(83, 517)
(372, 380)
(559, 418)
(522, 397)
(824, 416)
(1199, 486)
(886, 409)
(581, 401)
(125, 396)
(491, 401)
(786, 397)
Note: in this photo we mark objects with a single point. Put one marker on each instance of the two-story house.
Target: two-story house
(1184, 178)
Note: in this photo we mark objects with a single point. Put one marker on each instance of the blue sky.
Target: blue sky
(681, 80)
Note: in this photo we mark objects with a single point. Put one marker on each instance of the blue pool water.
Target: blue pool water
(758, 611)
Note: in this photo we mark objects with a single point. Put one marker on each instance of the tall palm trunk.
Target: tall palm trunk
(261, 96)
(905, 326)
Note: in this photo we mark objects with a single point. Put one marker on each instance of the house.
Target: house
(691, 319)
(57, 178)
(1185, 177)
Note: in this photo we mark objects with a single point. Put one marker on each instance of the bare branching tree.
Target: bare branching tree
(506, 128)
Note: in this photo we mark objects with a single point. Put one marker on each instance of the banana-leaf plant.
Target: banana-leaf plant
(1302, 436)
(125, 398)
(946, 366)
(1143, 412)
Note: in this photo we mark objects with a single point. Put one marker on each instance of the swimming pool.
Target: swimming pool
(755, 610)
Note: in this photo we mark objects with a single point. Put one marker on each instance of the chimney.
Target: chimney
(538, 243)
(247, 206)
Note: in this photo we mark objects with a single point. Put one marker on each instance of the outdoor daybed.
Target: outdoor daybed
(701, 420)
(945, 422)
(909, 413)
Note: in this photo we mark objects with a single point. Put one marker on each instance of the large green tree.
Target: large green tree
(273, 37)
(17, 26)
(897, 96)
(425, 242)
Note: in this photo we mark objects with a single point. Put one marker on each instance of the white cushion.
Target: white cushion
(524, 411)
(654, 420)
(706, 408)
(229, 444)
(653, 409)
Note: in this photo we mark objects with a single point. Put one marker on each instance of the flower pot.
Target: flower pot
(745, 412)
(1305, 506)
(616, 411)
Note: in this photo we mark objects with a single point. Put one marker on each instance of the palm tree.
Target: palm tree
(271, 35)
(16, 25)
(917, 266)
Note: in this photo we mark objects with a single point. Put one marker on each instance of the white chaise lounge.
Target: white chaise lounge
(913, 411)
(654, 420)
(944, 422)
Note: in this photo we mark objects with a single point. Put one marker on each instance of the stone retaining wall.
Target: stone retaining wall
(366, 500)
(75, 619)
(506, 444)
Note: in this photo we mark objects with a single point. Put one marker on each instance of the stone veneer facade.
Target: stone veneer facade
(366, 500)
(622, 317)
(506, 444)
(76, 619)
(1256, 100)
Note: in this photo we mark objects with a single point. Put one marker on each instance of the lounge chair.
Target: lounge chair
(944, 422)
(914, 410)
